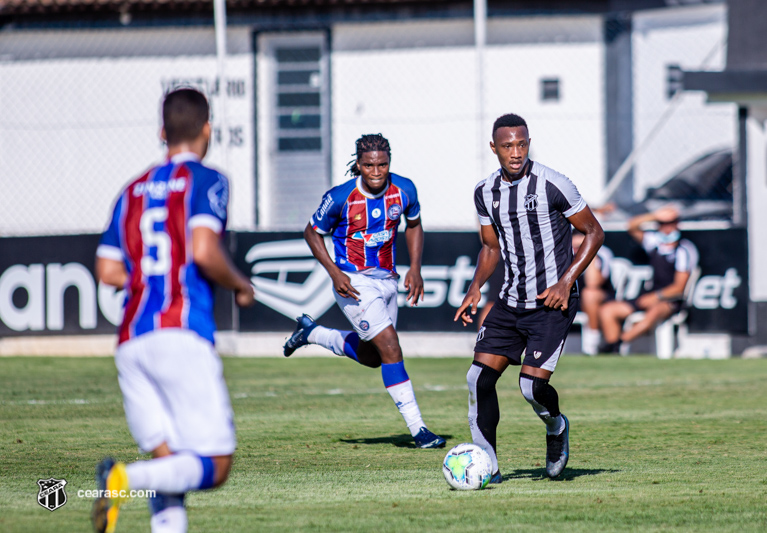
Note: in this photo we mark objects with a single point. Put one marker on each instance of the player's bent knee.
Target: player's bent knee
(223, 465)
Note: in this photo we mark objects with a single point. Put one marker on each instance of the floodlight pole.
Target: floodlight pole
(480, 39)
(219, 18)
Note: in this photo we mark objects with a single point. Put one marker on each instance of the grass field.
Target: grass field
(655, 446)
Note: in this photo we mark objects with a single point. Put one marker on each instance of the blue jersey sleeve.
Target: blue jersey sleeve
(326, 218)
(109, 244)
(210, 200)
(413, 207)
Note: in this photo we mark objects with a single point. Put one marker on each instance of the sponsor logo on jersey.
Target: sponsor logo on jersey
(537, 354)
(326, 203)
(157, 190)
(394, 212)
(481, 334)
(531, 202)
(357, 217)
(51, 494)
(218, 196)
(374, 239)
(376, 213)
(496, 203)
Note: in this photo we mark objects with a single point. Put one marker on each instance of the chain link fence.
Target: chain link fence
(80, 112)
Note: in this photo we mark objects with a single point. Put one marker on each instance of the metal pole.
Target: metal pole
(739, 198)
(219, 18)
(480, 39)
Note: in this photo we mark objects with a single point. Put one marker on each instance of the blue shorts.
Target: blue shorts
(539, 333)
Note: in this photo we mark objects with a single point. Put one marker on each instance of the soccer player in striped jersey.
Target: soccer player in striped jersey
(164, 246)
(525, 211)
(672, 259)
(362, 217)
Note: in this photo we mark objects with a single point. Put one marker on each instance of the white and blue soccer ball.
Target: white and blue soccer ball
(467, 467)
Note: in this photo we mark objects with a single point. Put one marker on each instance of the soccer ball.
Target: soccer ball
(467, 467)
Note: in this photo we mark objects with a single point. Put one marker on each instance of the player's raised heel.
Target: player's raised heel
(496, 479)
(300, 336)
(558, 451)
(112, 483)
(427, 439)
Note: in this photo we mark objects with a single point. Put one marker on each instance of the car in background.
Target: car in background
(701, 191)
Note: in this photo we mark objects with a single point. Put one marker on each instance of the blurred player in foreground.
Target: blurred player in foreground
(672, 259)
(596, 289)
(525, 210)
(363, 215)
(164, 246)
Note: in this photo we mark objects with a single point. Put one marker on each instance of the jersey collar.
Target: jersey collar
(185, 157)
(528, 169)
(367, 194)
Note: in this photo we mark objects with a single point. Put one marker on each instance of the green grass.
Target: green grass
(655, 446)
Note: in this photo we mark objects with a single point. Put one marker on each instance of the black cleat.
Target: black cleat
(427, 439)
(304, 326)
(558, 451)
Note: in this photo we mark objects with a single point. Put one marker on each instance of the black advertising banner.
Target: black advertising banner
(47, 284)
(718, 302)
(289, 282)
(48, 287)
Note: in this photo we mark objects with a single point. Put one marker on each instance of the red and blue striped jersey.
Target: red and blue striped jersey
(151, 232)
(364, 226)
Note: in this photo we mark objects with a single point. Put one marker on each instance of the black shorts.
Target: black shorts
(540, 333)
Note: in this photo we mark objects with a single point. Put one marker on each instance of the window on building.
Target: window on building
(550, 89)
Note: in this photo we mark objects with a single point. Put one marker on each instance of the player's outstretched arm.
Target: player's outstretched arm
(341, 282)
(111, 272)
(209, 255)
(413, 279)
(486, 263)
(558, 295)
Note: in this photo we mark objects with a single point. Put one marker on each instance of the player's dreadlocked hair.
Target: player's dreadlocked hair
(374, 142)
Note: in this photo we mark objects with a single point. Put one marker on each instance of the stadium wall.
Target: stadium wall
(81, 109)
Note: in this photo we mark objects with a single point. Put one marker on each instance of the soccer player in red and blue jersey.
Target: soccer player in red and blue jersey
(164, 246)
(362, 217)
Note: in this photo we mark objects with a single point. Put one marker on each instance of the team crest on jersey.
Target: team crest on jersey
(394, 212)
(364, 325)
(531, 202)
(52, 495)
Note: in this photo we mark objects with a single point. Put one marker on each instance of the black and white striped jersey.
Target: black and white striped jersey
(530, 218)
(667, 259)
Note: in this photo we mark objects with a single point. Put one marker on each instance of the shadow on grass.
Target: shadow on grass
(568, 474)
(400, 441)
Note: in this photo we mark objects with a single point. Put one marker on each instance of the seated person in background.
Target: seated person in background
(672, 259)
(596, 289)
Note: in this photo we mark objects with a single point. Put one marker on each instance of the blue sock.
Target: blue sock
(208, 471)
(338, 341)
(160, 502)
(351, 343)
(394, 374)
